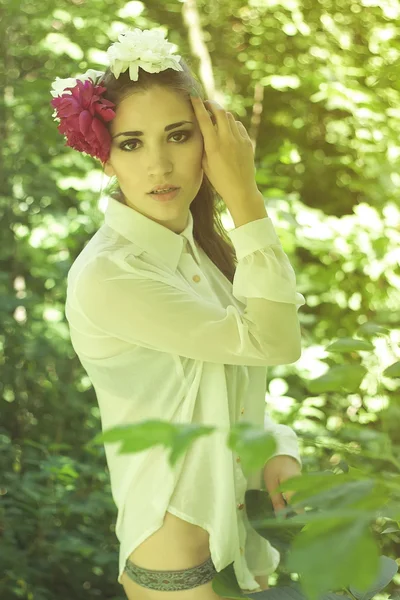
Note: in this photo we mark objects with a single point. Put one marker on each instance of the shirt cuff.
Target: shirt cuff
(272, 275)
(253, 236)
(286, 439)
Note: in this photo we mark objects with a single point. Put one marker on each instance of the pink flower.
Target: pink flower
(83, 115)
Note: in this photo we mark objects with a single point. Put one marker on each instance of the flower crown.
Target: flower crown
(79, 103)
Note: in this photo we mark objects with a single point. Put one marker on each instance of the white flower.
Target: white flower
(59, 85)
(146, 49)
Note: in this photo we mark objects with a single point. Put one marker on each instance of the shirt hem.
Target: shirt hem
(134, 546)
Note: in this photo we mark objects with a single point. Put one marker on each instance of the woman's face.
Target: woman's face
(157, 157)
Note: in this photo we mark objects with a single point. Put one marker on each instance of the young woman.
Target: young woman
(175, 319)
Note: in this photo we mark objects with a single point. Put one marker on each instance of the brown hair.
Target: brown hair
(207, 206)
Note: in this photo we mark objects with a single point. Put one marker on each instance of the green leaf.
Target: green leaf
(348, 344)
(328, 556)
(387, 570)
(392, 370)
(254, 445)
(345, 378)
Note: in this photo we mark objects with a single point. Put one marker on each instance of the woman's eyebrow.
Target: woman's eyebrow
(167, 128)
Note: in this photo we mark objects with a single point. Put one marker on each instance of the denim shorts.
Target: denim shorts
(166, 581)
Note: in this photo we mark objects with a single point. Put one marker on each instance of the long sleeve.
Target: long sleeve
(156, 310)
(286, 439)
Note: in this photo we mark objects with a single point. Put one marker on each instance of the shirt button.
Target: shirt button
(238, 459)
(242, 411)
(241, 550)
(196, 278)
(240, 506)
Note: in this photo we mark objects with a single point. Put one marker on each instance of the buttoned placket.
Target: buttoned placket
(192, 270)
(241, 505)
(196, 278)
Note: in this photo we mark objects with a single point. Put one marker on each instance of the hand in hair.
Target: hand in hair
(228, 158)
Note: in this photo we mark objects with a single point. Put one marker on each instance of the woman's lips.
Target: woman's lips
(165, 197)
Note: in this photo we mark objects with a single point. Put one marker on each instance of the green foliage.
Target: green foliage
(338, 523)
(316, 85)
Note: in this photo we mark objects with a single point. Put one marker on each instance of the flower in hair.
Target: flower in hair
(146, 49)
(79, 104)
(83, 113)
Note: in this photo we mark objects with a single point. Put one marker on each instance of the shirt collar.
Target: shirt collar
(145, 234)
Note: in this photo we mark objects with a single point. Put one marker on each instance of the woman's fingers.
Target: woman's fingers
(200, 111)
(228, 157)
(205, 120)
(236, 127)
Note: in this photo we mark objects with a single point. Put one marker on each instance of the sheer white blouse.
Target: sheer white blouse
(163, 334)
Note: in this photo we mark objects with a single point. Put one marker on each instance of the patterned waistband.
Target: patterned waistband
(185, 579)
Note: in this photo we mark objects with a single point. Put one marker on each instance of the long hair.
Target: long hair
(207, 206)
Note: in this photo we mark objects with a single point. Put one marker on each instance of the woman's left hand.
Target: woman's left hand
(277, 470)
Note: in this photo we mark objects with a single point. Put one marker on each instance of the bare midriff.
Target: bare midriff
(178, 544)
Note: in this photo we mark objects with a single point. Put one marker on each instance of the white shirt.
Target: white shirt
(163, 334)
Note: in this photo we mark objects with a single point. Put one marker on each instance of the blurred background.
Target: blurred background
(316, 84)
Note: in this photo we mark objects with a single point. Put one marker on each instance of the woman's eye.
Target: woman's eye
(186, 135)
